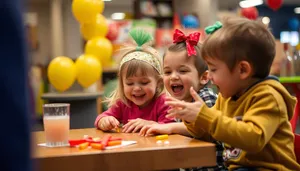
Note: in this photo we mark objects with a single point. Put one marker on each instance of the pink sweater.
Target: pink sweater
(155, 111)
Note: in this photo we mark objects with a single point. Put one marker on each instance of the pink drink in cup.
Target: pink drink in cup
(56, 124)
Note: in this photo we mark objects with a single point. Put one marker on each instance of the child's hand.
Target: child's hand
(184, 110)
(155, 129)
(108, 123)
(134, 125)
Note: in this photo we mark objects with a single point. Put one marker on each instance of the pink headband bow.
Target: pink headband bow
(191, 40)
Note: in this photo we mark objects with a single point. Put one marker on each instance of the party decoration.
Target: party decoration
(213, 28)
(250, 13)
(61, 73)
(191, 41)
(176, 21)
(294, 24)
(274, 4)
(98, 28)
(89, 70)
(140, 37)
(85, 11)
(298, 47)
(113, 33)
(101, 48)
(190, 21)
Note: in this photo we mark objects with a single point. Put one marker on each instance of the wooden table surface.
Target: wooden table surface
(182, 152)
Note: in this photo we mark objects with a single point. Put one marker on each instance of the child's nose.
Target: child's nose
(209, 76)
(174, 76)
(137, 88)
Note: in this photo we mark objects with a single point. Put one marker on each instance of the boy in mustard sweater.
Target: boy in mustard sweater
(252, 113)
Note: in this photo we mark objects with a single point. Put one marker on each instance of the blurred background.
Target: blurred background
(53, 30)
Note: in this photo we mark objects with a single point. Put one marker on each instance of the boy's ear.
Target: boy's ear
(204, 78)
(245, 69)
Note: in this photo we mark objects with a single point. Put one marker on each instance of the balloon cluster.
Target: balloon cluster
(94, 28)
(190, 21)
(62, 71)
(274, 4)
(249, 12)
(294, 24)
(252, 12)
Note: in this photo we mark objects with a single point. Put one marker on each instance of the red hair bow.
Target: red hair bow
(191, 40)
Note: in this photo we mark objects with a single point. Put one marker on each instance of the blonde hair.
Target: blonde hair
(134, 65)
(242, 39)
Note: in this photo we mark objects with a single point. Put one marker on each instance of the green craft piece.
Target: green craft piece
(140, 36)
(295, 79)
(213, 28)
(138, 48)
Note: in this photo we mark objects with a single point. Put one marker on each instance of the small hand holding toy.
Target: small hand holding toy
(109, 123)
(134, 125)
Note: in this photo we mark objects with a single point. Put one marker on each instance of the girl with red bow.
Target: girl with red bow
(184, 68)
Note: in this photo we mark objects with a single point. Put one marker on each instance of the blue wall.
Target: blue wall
(278, 19)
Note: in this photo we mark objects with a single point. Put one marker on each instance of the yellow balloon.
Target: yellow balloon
(62, 73)
(101, 48)
(298, 47)
(89, 70)
(98, 28)
(85, 11)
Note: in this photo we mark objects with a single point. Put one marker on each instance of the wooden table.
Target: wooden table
(182, 152)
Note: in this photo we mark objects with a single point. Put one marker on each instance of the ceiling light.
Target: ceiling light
(118, 16)
(297, 10)
(250, 3)
(266, 20)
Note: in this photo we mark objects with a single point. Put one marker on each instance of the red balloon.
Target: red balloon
(274, 4)
(250, 13)
(112, 31)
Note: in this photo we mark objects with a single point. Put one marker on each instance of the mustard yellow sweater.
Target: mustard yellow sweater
(255, 128)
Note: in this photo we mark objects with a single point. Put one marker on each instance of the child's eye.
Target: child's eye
(145, 83)
(212, 70)
(129, 84)
(167, 72)
(183, 71)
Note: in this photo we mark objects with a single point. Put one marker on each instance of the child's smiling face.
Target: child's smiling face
(228, 82)
(180, 74)
(139, 88)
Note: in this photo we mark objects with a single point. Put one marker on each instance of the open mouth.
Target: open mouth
(177, 88)
(139, 96)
